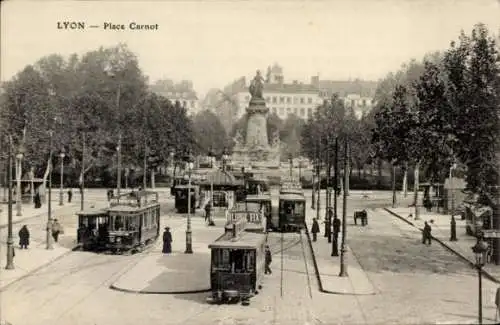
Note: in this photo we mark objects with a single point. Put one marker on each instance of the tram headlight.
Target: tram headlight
(118, 240)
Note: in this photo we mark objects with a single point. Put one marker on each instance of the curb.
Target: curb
(30, 273)
(148, 292)
(315, 263)
(483, 271)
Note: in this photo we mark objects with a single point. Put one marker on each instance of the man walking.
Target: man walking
(268, 260)
(426, 235)
(315, 229)
(56, 230)
(70, 195)
(336, 229)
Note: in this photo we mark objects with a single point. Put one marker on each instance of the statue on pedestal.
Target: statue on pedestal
(257, 86)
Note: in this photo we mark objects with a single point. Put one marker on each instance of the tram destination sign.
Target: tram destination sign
(491, 233)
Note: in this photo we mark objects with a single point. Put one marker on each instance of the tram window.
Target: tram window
(299, 208)
(118, 222)
(225, 257)
(250, 260)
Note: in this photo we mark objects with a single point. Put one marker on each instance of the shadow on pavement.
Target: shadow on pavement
(199, 298)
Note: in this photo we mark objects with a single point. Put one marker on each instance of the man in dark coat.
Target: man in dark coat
(38, 201)
(167, 241)
(56, 230)
(315, 229)
(208, 209)
(24, 237)
(268, 260)
(453, 225)
(70, 195)
(336, 228)
(426, 235)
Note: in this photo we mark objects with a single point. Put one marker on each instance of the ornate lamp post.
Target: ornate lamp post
(189, 244)
(19, 169)
(480, 250)
(10, 240)
(61, 196)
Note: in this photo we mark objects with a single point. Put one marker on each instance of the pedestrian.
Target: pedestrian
(315, 229)
(497, 304)
(24, 237)
(110, 194)
(56, 230)
(268, 260)
(70, 195)
(426, 234)
(336, 228)
(453, 225)
(167, 241)
(208, 209)
(38, 201)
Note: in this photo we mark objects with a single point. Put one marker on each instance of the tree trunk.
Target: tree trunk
(405, 181)
(416, 186)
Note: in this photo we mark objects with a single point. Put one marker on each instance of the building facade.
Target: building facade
(296, 97)
(182, 92)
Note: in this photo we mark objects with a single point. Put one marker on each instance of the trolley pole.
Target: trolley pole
(10, 240)
(343, 250)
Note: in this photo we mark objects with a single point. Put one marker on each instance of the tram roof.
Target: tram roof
(244, 240)
(292, 191)
(292, 197)
(129, 208)
(261, 197)
(92, 212)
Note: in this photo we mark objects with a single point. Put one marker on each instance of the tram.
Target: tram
(130, 223)
(237, 264)
(263, 203)
(291, 187)
(292, 212)
(181, 198)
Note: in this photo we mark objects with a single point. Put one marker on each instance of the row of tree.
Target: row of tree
(429, 115)
(445, 112)
(101, 97)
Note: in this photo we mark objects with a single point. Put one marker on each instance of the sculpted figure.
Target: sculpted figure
(257, 86)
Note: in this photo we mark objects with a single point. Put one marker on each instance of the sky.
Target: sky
(212, 43)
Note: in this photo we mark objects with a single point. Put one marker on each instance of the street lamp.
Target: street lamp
(10, 240)
(190, 165)
(211, 156)
(210, 220)
(19, 168)
(49, 203)
(452, 167)
(480, 250)
(118, 169)
(61, 197)
(290, 161)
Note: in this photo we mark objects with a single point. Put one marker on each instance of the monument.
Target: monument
(255, 150)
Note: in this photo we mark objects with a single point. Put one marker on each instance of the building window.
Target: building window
(302, 100)
(295, 111)
(268, 99)
(275, 100)
(309, 111)
(282, 111)
(184, 103)
(282, 100)
(295, 100)
(302, 112)
(309, 100)
(289, 100)
(274, 110)
(364, 102)
(352, 102)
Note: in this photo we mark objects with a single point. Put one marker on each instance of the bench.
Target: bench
(363, 215)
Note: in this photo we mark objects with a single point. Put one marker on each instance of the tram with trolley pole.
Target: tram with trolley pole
(291, 212)
(237, 263)
(129, 224)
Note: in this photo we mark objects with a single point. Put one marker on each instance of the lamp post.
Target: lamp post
(394, 201)
(480, 250)
(118, 168)
(452, 167)
(335, 248)
(19, 169)
(61, 196)
(10, 240)
(189, 244)
(49, 200)
(82, 180)
(290, 161)
(328, 219)
(343, 249)
(210, 220)
(211, 156)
